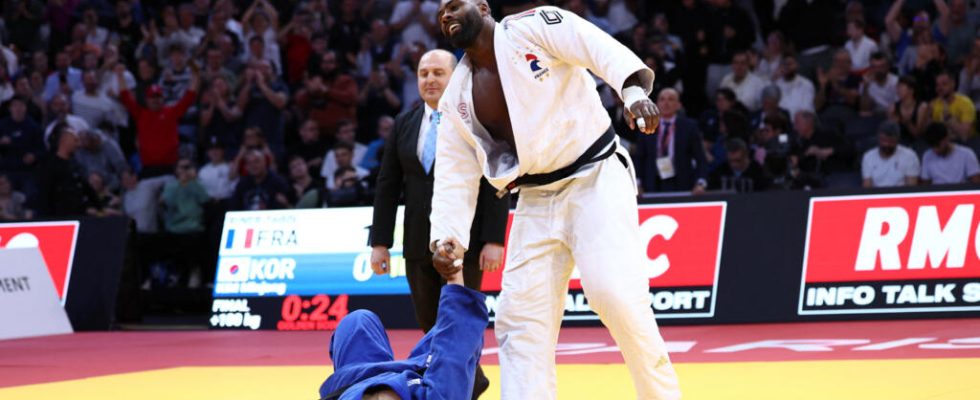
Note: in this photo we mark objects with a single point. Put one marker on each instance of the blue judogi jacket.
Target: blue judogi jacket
(441, 366)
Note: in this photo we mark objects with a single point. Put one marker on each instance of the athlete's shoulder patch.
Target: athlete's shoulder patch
(550, 17)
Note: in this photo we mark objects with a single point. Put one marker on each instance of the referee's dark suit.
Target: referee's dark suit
(402, 173)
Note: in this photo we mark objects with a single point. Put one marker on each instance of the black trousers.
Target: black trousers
(426, 285)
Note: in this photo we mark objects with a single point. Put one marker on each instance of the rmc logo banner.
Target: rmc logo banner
(892, 254)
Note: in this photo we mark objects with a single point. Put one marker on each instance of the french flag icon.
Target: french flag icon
(230, 239)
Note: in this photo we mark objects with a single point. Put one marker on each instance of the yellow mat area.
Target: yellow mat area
(944, 379)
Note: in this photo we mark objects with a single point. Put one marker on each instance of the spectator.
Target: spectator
(328, 95)
(140, 198)
(59, 111)
(674, 158)
(818, 151)
(177, 76)
(947, 162)
(920, 32)
(12, 203)
(346, 132)
(911, 114)
(733, 124)
(253, 139)
(214, 67)
(172, 37)
(770, 106)
(929, 62)
(23, 21)
(147, 75)
(347, 30)
(837, 86)
(772, 57)
(746, 85)
(22, 90)
(217, 176)
(415, 21)
(297, 39)
(959, 32)
(377, 48)
(6, 84)
(156, 125)
(261, 99)
(126, 31)
(63, 189)
(95, 35)
(261, 20)
(261, 189)
(107, 203)
(954, 110)
(349, 189)
(101, 155)
(311, 146)
(186, 25)
(64, 79)
(729, 30)
(661, 27)
(91, 104)
(797, 91)
(879, 90)
(377, 98)
(372, 157)
(890, 164)
(969, 75)
(220, 117)
(812, 26)
(183, 200)
(343, 156)
(710, 120)
(772, 138)
(859, 46)
(300, 178)
(21, 143)
(741, 173)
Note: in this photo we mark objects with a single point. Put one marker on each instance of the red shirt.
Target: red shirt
(156, 131)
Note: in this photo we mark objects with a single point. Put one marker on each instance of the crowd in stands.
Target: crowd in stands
(172, 112)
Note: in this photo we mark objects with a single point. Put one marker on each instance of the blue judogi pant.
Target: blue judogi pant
(441, 366)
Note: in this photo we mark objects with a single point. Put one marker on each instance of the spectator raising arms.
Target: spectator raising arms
(156, 124)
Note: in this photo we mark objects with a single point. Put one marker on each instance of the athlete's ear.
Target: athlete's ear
(484, 8)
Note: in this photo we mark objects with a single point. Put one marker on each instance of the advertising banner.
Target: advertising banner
(56, 241)
(683, 256)
(894, 253)
(305, 269)
(28, 301)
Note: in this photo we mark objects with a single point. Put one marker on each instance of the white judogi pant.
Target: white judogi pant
(589, 221)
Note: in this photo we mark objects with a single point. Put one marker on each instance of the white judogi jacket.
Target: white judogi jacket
(543, 56)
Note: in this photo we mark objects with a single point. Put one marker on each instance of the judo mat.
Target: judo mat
(919, 359)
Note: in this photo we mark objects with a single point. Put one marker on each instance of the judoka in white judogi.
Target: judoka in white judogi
(588, 219)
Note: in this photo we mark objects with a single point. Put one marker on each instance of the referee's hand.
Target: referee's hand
(646, 110)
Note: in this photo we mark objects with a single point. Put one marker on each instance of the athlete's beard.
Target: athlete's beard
(469, 30)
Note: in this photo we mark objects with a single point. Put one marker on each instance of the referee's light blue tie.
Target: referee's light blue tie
(429, 151)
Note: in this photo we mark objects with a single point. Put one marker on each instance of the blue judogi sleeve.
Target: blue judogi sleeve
(454, 345)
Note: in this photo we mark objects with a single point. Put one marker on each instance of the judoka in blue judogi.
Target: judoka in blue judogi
(441, 366)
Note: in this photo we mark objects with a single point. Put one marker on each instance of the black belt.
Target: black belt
(590, 155)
